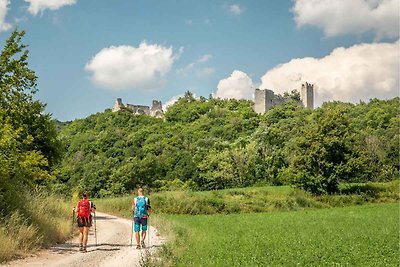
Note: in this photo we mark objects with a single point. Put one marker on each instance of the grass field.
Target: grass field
(365, 235)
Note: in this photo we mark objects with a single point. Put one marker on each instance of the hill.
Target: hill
(207, 144)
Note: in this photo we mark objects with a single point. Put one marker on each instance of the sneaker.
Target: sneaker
(143, 244)
(80, 248)
(138, 247)
(84, 249)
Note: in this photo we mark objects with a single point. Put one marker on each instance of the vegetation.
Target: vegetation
(209, 144)
(255, 199)
(261, 230)
(351, 236)
(29, 153)
(40, 221)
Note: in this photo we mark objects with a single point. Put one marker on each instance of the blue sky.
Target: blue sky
(87, 53)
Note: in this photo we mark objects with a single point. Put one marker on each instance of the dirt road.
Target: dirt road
(113, 247)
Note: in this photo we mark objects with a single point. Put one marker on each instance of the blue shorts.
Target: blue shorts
(140, 222)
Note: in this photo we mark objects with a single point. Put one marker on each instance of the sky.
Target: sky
(87, 53)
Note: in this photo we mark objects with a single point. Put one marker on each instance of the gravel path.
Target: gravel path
(113, 247)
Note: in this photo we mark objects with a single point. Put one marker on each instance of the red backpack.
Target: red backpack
(84, 208)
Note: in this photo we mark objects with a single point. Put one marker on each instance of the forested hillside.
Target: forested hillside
(213, 144)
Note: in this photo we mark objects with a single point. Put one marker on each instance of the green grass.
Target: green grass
(365, 235)
(255, 199)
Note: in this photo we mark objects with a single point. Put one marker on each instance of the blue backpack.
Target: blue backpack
(141, 207)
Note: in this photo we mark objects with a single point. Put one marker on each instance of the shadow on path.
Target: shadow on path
(104, 218)
(71, 248)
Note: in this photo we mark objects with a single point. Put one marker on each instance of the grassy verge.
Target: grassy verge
(255, 199)
(351, 236)
(43, 220)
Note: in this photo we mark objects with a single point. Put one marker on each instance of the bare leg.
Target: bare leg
(85, 236)
(143, 236)
(80, 236)
(137, 235)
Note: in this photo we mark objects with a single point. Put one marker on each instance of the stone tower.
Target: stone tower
(117, 105)
(263, 100)
(156, 109)
(307, 95)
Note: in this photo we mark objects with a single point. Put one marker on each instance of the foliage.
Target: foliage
(29, 148)
(17, 107)
(255, 199)
(112, 153)
(209, 144)
(323, 154)
(29, 154)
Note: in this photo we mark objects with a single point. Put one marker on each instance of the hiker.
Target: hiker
(141, 211)
(84, 219)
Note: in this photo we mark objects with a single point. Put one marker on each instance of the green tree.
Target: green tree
(323, 155)
(29, 148)
(17, 87)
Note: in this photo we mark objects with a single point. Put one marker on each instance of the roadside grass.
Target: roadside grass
(42, 220)
(365, 235)
(255, 199)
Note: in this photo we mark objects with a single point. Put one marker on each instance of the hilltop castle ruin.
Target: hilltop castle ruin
(265, 99)
(155, 110)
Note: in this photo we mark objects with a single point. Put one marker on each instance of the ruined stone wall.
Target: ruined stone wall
(138, 109)
(265, 99)
(155, 110)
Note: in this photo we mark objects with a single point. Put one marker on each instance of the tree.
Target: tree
(37, 145)
(323, 155)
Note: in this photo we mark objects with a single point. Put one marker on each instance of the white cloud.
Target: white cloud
(37, 6)
(4, 26)
(20, 19)
(236, 9)
(172, 101)
(349, 74)
(342, 17)
(203, 72)
(193, 67)
(128, 67)
(204, 58)
(239, 85)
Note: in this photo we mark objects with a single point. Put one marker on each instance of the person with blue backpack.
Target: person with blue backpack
(141, 211)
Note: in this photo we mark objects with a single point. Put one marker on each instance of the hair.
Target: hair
(140, 190)
(85, 194)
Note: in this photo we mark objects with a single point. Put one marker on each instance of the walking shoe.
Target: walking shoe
(138, 247)
(80, 248)
(84, 249)
(143, 244)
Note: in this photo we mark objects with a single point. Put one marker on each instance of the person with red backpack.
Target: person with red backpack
(141, 211)
(84, 210)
